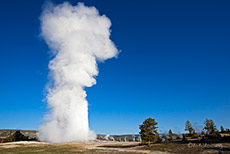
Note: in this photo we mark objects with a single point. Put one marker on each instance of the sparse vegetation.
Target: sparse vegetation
(56, 149)
(174, 148)
(8, 139)
(107, 148)
(210, 128)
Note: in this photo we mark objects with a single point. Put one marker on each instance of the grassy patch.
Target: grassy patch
(56, 148)
(51, 149)
(40, 149)
(174, 148)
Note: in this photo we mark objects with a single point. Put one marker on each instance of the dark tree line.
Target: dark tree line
(149, 133)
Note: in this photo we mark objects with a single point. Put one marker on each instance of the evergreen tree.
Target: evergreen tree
(222, 129)
(210, 126)
(227, 130)
(188, 127)
(170, 134)
(148, 130)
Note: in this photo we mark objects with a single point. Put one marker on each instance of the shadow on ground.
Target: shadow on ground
(220, 149)
(118, 146)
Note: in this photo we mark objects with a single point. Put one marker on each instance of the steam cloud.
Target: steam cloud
(78, 37)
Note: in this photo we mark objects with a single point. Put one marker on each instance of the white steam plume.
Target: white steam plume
(78, 37)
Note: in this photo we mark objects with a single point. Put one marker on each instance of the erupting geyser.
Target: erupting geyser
(78, 37)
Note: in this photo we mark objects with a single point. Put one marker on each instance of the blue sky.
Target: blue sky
(174, 65)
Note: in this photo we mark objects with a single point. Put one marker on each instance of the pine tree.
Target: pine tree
(210, 126)
(188, 127)
(148, 130)
(222, 129)
(170, 134)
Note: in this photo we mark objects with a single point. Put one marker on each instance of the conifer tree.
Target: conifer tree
(188, 127)
(148, 130)
(210, 126)
(170, 134)
(222, 129)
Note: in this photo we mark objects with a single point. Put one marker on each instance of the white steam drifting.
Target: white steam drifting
(78, 37)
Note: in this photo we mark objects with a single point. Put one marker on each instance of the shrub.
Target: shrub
(8, 139)
(184, 138)
(194, 135)
(159, 139)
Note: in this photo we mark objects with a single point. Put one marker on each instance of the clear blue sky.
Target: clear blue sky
(174, 65)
